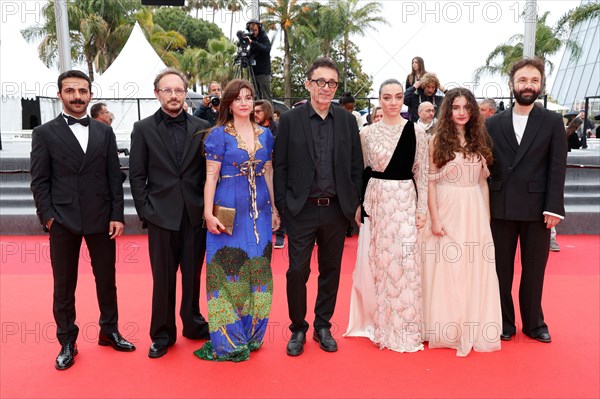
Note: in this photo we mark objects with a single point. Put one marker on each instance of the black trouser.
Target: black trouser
(64, 254)
(327, 225)
(534, 240)
(170, 250)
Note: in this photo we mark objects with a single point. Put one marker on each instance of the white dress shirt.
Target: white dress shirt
(81, 132)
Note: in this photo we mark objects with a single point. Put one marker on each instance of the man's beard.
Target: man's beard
(174, 106)
(527, 98)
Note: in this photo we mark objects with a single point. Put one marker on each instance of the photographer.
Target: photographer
(260, 51)
(209, 109)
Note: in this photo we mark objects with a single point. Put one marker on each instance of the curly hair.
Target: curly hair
(446, 141)
(430, 79)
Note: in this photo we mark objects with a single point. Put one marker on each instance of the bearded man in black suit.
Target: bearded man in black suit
(78, 193)
(526, 195)
(167, 173)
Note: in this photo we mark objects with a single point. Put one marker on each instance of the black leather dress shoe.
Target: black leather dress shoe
(66, 357)
(116, 341)
(296, 345)
(544, 337)
(506, 337)
(327, 343)
(157, 350)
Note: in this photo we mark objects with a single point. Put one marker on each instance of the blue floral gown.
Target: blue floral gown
(239, 281)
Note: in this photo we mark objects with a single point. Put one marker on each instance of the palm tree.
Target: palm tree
(579, 14)
(281, 15)
(548, 41)
(215, 63)
(215, 5)
(316, 31)
(234, 6)
(356, 20)
(194, 5)
(165, 43)
(95, 30)
(188, 64)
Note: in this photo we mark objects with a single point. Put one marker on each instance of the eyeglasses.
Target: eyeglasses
(166, 90)
(247, 100)
(322, 82)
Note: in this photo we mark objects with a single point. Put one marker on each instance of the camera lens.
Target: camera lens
(215, 101)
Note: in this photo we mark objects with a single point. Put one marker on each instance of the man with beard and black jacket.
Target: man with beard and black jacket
(167, 171)
(530, 155)
(260, 51)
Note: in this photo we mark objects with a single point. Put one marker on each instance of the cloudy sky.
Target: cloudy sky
(453, 37)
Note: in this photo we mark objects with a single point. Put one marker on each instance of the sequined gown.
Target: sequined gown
(393, 256)
(239, 282)
(461, 299)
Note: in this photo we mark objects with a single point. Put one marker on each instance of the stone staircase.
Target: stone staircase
(582, 192)
(17, 209)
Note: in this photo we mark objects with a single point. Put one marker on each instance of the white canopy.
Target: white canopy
(22, 73)
(132, 74)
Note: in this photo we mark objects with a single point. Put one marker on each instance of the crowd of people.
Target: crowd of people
(438, 199)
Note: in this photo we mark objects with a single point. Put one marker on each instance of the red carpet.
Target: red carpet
(566, 368)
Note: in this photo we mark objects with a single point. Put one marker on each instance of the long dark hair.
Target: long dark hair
(232, 90)
(446, 141)
(412, 76)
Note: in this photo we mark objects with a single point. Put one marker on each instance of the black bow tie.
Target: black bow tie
(83, 121)
(178, 120)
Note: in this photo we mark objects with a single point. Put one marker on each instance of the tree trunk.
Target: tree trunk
(286, 69)
(345, 59)
(231, 27)
(90, 65)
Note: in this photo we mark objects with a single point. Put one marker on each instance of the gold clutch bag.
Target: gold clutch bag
(226, 216)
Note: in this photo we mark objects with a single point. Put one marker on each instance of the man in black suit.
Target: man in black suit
(526, 195)
(167, 172)
(76, 185)
(318, 168)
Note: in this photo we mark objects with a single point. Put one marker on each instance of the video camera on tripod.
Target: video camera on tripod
(243, 57)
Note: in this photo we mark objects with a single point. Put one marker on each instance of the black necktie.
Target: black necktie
(83, 121)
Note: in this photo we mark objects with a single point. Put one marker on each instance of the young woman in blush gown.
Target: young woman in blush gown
(386, 298)
(461, 300)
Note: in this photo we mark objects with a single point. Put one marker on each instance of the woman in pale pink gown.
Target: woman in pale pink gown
(461, 301)
(362, 298)
(386, 297)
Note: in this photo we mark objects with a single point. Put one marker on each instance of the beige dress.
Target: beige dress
(461, 300)
(393, 254)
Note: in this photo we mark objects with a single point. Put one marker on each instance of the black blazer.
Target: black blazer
(529, 178)
(294, 160)
(160, 187)
(81, 191)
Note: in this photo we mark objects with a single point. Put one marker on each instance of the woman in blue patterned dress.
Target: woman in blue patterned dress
(239, 282)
